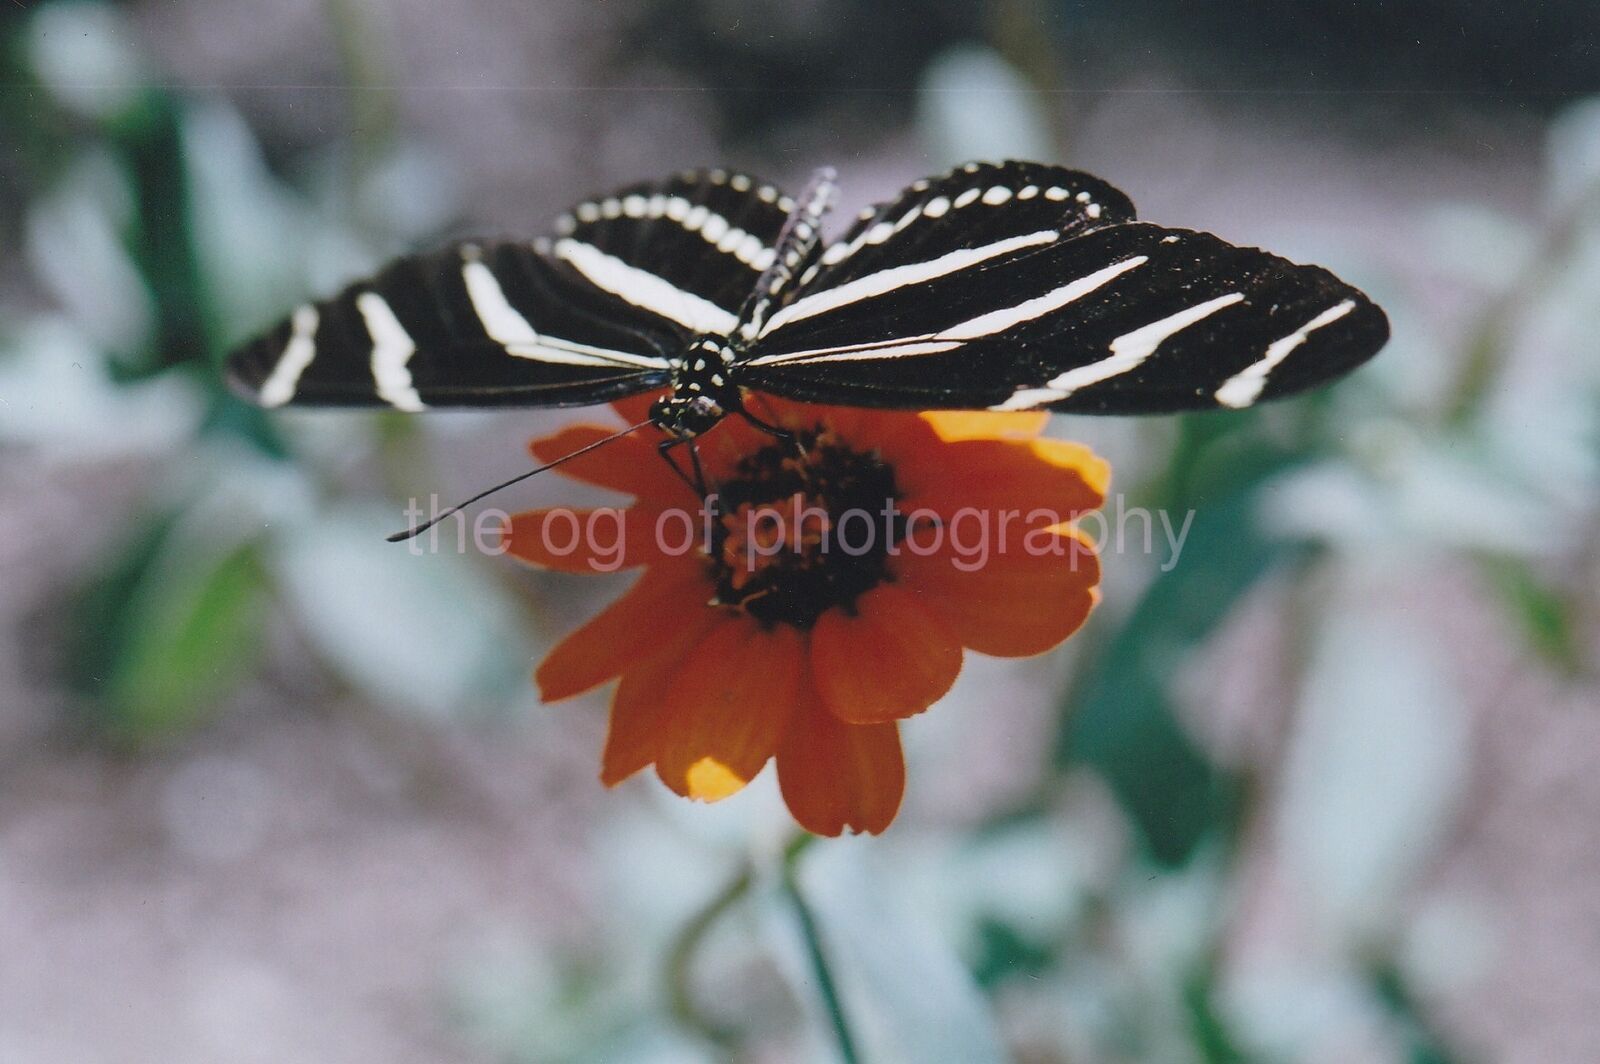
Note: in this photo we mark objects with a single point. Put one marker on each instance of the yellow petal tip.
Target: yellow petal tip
(709, 780)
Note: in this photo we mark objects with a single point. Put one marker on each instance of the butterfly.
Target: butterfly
(1009, 286)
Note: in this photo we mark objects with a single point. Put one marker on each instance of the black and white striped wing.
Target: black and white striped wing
(1098, 315)
(993, 208)
(470, 325)
(590, 315)
(690, 248)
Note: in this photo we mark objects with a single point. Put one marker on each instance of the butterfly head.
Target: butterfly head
(686, 416)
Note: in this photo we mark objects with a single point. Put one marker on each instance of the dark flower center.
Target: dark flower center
(803, 525)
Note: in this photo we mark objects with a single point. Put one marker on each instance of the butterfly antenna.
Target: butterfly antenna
(401, 537)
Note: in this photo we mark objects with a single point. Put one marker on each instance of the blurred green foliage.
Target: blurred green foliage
(154, 640)
(124, 179)
(1119, 718)
(162, 633)
(196, 637)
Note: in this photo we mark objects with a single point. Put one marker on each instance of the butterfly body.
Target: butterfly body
(1012, 286)
(702, 389)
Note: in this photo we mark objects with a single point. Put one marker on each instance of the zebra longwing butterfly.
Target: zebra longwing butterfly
(1012, 286)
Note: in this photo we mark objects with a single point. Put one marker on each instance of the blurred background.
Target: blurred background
(1324, 790)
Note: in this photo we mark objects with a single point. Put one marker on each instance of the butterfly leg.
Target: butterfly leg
(767, 427)
(699, 474)
(697, 481)
(782, 435)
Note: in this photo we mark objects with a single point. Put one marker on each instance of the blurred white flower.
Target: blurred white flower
(1375, 766)
(1296, 1009)
(910, 997)
(1573, 155)
(1037, 876)
(1406, 495)
(1165, 923)
(972, 104)
(83, 53)
(57, 395)
(1479, 246)
(264, 246)
(75, 246)
(250, 230)
(427, 631)
(1449, 944)
(409, 193)
(227, 493)
(1543, 431)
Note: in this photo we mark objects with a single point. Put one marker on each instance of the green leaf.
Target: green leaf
(1119, 719)
(162, 241)
(1547, 618)
(164, 630)
(193, 634)
(1212, 1035)
(99, 617)
(1425, 1044)
(1005, 953)
(230, 415)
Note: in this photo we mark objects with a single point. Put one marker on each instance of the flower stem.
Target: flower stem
(680, 963)
(826, 987)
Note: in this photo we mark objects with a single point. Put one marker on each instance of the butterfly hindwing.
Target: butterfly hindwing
(690, 247)
(1128, 318)
(976, 205)
(470, 325)
(940, 234)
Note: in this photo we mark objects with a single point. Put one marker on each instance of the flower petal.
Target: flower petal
(836, 775)
(638, 711)
(584, 541)
(1029, 591)
(1056, 479)
(629, 464)
(892, 658)
(953, 425)
(624, 633)
(726, 707)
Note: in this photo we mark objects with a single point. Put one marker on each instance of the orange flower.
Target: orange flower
(822, 593)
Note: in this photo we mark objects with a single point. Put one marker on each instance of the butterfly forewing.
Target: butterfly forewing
(470, 325)
(1129, 318)
(586, 316)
